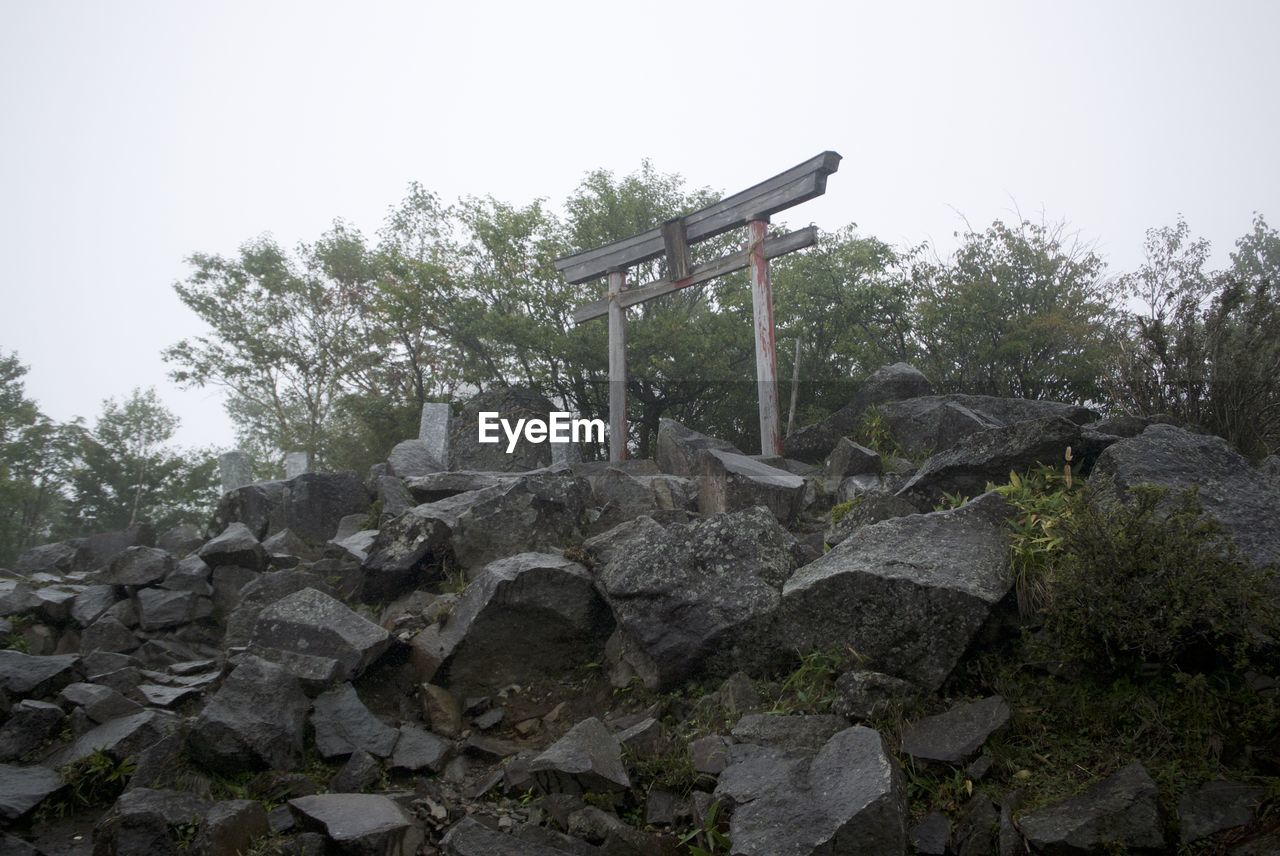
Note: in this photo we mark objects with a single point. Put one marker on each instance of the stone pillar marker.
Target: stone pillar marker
(296, 463)
(236, 470)
(433, 431)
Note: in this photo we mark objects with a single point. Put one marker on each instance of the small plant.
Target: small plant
(840, 509)
(811, 688)
(96, 779)
(1043, 500)
(184, 834)
(709, 839)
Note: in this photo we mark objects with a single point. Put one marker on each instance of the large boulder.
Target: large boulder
(814, 443)
(537, 511)
(908, 594)
(732, 482)
(466, 452)
(256, 719)
(1240, 497)
(359, 824)
(680, 448)
(24, 788)
(33, 676)
(989, 456)
(138, 566)
(956, 736)
(531, 615)
(847, 799)
(587, 759)
(145, 820)
(698, 594)
(310, 504)
(412, 458)
(621, 496)
(237, 546)
(1120, 813)
(312, 623)
(343, 725)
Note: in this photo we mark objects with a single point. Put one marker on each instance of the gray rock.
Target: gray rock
(528, 616)
(789, 732)
(466, 452)
(698, 595)
(417, 749)
(989, 456)
(121, 738)
(180, 540)
(256, 719)
(235, 546)
(191, 574)
(710, 754)
(1241, 498)
(33, 676)
(412, 458)
(851, 459)
(144, 820)
(138, 566)
(1215, 806)
(100, 703)
(91, 602)
(394, 497)
(260, 591)
(230, 828)
(438, 486)
(313, 623)
(847, 799)
(469, 837)
(930, 835)
(867, 508)
(624, 496)
(864, 694)
(108, 634)
(732, 482)
(908, 594)
(1121, 811)
(24, 788)
(588, 758)
(360, 824)
(29, 725)
(311, 505)
(813, 443)
(957, 735)
(285, 543)
(161, 608)
(343, 725)
(60, 558)
(360, 772)
(680, 448)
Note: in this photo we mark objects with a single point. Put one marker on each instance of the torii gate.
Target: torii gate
(751, 208)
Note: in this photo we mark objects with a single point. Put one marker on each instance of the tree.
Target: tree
(1019, 311)
(125, 472)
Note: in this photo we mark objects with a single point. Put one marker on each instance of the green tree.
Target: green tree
(126, 471)
(1020, 311)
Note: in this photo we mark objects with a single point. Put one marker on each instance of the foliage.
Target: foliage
(97, 779)
(1043, 502)
(874, 433)
(840, 509)
(811, 688)
(710, 839)
(1147, 578)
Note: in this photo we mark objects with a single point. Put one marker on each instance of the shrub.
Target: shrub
(1043, 500)
(1147, 578)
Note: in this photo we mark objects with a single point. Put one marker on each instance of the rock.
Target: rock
(588, 758)
(32, 676)
(789, 732)
(1215, 806)
(732, 482)
(438, 486)
(310, 504)
(531, 615)
(699, 595)
(867, 509)
(235, 546)
(394, 497)
(180, 540)
(191, 574)
(710, 754)
(360, 772)
(24, 788)
(230, 828)
(109, 635)
(138, 566)
(930, 835)
(256, 719)
(416, 750)
(259, 592)
(344, 725)
(443, 710)
(121, 738)
(989, 456)
(680, 449)
(814, 443)
(313, 623)
(91, 602)
(29, 725)
(285, 543)
(1121, 811)
(149, 821)
(466, 452)
(99, 703)
(412, 458)
(60, 558)
(1241, 498)
(908, 594)
(469, 837)
(977, 829)
(847, 799)
(851, 459)
(957, 735)
(624, 496)
(360, 824)
(160, 608)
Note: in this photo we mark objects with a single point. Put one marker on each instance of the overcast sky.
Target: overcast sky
(136, 133)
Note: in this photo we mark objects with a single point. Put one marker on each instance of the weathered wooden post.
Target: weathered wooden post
(751, 208)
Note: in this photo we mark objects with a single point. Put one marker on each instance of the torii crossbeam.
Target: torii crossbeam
(751, 208)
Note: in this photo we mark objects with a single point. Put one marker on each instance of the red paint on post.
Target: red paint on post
(766, 346)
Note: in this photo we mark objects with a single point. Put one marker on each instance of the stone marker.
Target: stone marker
(433, 430)
(296, 464)
(236, 470)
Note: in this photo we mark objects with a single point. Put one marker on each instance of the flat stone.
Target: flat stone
(416, 750)
(29, 725)
(24, 788)
(360, 824)
(680, 448)
(733, 482)
(1216, 806)
(586, 759)
(1121, 811)
(789, 732)
(235, 546)
(864, 694)
(121, 738)
(313, 623)
(256, 719)
(100, 703)
(359, 772)
(23, 675)
(138, 566)
(344, 725)
(957, 735)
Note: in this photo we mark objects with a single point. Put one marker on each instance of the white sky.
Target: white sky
(135, 133)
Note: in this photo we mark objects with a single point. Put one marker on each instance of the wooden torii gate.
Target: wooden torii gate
(751, 208)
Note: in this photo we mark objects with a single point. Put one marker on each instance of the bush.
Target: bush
(1043, 499)
(1147, 578)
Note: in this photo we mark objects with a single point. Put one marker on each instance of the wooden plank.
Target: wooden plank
(786, 189)
(773, 247)
(617, 370)
(676, 245)
(766, 344)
